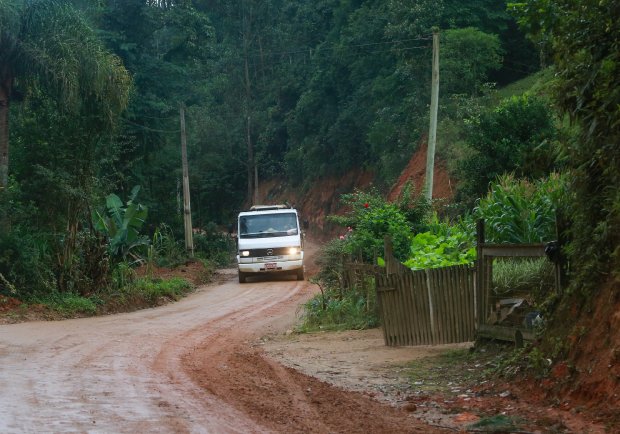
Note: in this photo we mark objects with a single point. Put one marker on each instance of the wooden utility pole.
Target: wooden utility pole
(432, 135)
(187, 209)
(250, 161)
(255, 183)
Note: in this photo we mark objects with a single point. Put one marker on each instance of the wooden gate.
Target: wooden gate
(426, 307)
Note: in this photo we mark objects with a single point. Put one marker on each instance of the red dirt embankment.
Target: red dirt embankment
(323, 199)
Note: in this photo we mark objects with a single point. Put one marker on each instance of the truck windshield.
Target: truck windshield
(268, 225)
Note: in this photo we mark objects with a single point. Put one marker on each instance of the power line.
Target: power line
(337, 46)
(144, 127)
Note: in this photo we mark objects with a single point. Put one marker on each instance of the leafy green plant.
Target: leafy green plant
(214, 245)
(521, 211)
(123, 223)
(153, 289)
(371, 218)
(352, 310)
(167, 251)
(516, 136)
(68, 304)
(445, 246)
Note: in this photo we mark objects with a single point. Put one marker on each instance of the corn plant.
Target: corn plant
(520, 211)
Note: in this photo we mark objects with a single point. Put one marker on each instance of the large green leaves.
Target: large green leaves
(123, 223)
(520, 211)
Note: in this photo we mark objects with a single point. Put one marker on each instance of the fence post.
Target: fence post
(431, 306)
(479, 292)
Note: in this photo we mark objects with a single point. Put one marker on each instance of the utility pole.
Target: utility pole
(255, 183)
(432, 135)
(251, 163)
(187, 209)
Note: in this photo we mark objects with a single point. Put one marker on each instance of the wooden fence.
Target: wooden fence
(491, 303)
(426, 307)
(443, 305)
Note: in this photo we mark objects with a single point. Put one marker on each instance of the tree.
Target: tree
(49, 44)
(584, 37)
(467, 57)
(515, 136)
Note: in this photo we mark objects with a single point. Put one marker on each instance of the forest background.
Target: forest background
(90, 94)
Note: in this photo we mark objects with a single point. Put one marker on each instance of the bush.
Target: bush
(334, 310)
(371, 218)
(516, 136)
(154, 289)
(531, 276)
(520, 211)
(443, 246)
(214, 245)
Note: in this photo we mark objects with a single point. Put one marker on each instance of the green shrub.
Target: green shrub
(520, 211)
(166, 250)
(154, 289)
(450, 246)
(67, 303)
(370, 218)
(214, 245)
(516, 136)
(354, 309)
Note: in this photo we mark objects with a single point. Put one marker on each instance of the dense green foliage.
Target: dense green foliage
(521, 211)
(443, 246)
(286, 88)
(370, 219)
(516, 136)
(582, 38)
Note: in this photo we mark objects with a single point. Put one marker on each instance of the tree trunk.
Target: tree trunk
(5, 96)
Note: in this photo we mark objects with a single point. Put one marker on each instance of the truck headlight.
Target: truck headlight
(245, 253)
(294, 250)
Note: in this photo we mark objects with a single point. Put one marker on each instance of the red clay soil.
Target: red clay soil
(590, 378)
(285, 400)
(415, 172)
(319, 202)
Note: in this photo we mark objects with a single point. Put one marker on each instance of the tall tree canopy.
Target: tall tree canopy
(47, 43)
(584, 39)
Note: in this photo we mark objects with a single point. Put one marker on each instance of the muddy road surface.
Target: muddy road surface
(191, 366)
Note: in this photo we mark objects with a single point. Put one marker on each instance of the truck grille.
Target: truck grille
(277, 251)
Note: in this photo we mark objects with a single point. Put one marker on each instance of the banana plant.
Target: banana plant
(122, 224)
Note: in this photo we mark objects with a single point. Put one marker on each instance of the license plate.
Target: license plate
(271, 266)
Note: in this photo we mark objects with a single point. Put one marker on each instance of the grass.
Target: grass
(137, 294)
(497, 424)
(535, 276)
(350, 310)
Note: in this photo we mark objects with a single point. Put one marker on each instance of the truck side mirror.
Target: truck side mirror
(306, 225)
(231, 229)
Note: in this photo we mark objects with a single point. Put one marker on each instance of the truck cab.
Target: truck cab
(270, 240)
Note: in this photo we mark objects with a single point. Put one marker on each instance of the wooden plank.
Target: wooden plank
(380, 305)
(444, 314)
(417, 292)
(423, 306)
(509, 334)
(469, 303)
(400, 326)
(412, 314)
(455, 303)
(513, 250)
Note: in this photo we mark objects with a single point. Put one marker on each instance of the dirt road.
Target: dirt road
(192, 366)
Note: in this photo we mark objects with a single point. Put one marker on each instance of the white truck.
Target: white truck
(269, 240)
